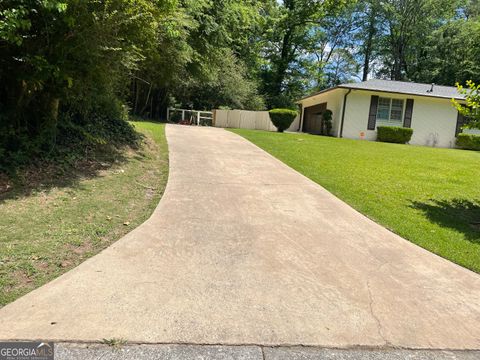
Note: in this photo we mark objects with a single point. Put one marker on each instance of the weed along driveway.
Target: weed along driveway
(244, 250)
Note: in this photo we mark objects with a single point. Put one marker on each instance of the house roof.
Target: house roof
(400, 87)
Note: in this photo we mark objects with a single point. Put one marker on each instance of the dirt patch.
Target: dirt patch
(80, 249)
(21, 279)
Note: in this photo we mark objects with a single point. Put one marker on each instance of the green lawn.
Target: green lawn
(429, 196)
(47, 230)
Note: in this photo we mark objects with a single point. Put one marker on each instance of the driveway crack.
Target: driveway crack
(372, 312)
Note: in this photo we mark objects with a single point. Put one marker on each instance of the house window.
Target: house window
(390, 111)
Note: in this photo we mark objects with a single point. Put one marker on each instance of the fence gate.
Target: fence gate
(190, 117)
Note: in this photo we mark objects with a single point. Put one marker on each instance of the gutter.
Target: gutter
(343, 111)
(345, 86)
(300, 123)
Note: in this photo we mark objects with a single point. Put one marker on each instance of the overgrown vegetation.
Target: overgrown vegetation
(394, 134)
(426, 195)
(70, 70)
(282, 118)
(51, 221)
(470, 108)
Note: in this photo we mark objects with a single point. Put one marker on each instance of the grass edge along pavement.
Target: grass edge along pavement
(429, 196)
(48, 231)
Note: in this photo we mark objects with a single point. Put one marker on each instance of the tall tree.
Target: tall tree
(369, 28)
(450, 52)
(291, 22)
(408, 23)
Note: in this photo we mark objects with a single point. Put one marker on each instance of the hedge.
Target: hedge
(282, 118)
(468, 141)
(394, 134)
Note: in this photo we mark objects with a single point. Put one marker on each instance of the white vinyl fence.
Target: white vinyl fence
(190, 117)
(244, 119)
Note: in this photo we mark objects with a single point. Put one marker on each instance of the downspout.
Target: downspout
(343, 111)
(300, 123)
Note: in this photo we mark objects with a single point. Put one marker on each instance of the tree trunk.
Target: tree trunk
(283, 63)
(137, 95)
(369, 43)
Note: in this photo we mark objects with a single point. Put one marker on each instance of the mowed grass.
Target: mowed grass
(429, 196)
(46, 231)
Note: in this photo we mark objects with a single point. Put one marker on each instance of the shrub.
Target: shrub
(468, 141)
(282, 118)
(394, 134)
(327, 122)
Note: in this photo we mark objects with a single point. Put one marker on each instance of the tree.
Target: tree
(209, 60)
(66, 63)
(341, 68)
(369, 28)
(471, 108)
(450, 53)
(408, 23)
(290, 24)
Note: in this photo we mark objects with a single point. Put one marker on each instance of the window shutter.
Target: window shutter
(407, 119)
(460, 122)
(372, 116)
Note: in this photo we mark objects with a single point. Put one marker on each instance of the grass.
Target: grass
(115, 342)
(426, 195)
(50, 228)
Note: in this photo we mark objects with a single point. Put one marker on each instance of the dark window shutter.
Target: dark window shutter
(372, 116)
(407, 119)
(460, 122)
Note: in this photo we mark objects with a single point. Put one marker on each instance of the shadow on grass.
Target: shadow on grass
(45, 175)
(461, 215)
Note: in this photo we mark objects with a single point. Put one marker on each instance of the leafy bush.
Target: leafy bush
(75, 136)
(394, 134)
(468, 141)
(327, 122)
(176, 117)
(282, 118)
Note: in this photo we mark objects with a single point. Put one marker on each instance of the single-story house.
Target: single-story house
(358, 109)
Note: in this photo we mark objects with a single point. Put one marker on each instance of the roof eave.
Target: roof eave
(345, 86)
(318, 93)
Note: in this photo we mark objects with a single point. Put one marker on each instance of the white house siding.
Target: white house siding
(295, 124)
(433, 119)
(356, 116)
(434, 122)
(334, 100)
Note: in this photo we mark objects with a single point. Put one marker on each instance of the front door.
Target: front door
(312, 118)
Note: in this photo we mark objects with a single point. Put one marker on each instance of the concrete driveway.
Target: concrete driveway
(244, 250)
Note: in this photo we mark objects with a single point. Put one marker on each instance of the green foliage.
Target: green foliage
(225, 84)
(326, 128)
(394, 134)
(292, 31)
(409, 23)
(66, 62)
(450, 53)
(282, 118)
(468, 141)
(429, 41)
(471, 107)
(207, 62)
